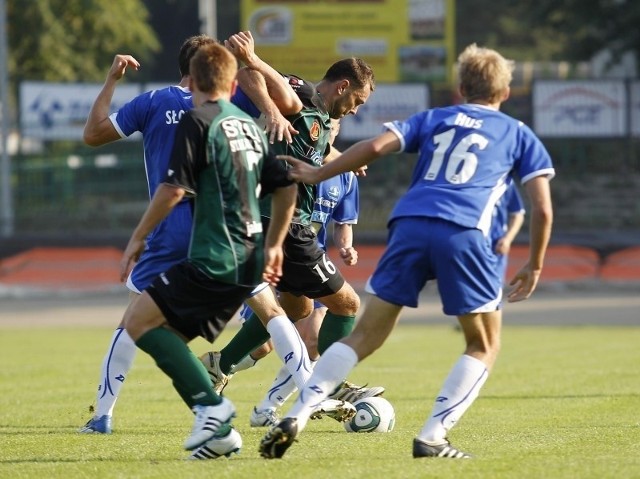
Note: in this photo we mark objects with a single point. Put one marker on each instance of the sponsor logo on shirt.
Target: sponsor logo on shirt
(314, 131)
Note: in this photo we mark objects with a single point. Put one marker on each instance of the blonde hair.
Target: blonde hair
(483, 74)
(213, 68)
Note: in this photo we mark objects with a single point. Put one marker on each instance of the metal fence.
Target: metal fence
(69, 189)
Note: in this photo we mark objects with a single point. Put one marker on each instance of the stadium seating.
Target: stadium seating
(622, 266)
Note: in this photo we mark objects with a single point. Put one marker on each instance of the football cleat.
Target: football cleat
(97, 425)
(276, 442)
(219, 445)
(207, 422)
(263, 418)
(341, 411)
(350, 392)
(211, 361)
(443, 449)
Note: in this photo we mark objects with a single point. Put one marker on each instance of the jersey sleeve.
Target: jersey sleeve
(273, 175)
(408, 131)
(348, 209)
(242, 101)
(533, 159)
(132, 117)
(187, 156)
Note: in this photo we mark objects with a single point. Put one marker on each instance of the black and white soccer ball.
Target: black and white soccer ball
(374, 414)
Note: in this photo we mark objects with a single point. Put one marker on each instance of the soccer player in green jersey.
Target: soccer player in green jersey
(220, 157)
(307, 270)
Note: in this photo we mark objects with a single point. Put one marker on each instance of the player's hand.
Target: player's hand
(130, 257)
(502, 247)
(278, 128)
(273, 258)
(242, 46)
(349, 255)
(362, 171)
(120, 64)
(523, 284)
(301, 171)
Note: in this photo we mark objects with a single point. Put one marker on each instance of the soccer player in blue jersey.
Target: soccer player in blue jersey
(467, 156)
(156, 115)
(221, 158)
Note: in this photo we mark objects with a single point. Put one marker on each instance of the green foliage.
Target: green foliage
(561, 403)
(549, 30)
(75, 40)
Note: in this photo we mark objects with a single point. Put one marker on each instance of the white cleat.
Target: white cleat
(264, 418)
(219, 446)
(207, 422)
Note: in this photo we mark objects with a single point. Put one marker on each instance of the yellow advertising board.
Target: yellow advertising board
(403, 40)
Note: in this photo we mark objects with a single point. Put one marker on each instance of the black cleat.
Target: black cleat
(445, 449)
(276, 442)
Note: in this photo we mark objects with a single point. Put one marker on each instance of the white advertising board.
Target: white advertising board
(580, 108)
(386, 103)
(58, 111)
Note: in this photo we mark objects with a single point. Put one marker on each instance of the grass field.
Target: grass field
(562, 402)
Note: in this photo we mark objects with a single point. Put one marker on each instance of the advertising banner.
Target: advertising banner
(580, 108)
(58, 111)
(386, 103)
(403, 40)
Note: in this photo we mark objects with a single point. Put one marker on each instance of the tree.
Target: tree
(550, 30)
(75, 40)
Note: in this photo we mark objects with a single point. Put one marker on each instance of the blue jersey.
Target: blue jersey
(337, 199)
(455, 179)
(511, 203)
(156, 114)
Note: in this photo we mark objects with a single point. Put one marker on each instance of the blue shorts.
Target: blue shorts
(167, 245)
(421, 249)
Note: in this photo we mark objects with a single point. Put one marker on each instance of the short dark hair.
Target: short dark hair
(356, 70)
(189, 48)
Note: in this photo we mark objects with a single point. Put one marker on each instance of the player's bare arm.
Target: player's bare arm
(163, 201)
(343, 239)
(277, 127)
(265, 87)
(526, 280)
(98, 129)
(360, 154)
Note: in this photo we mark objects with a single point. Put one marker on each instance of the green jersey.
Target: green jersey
(311, 145)
(221, 158)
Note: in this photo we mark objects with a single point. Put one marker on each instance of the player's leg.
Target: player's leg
(283, 386)
(167, 246)
(267, 321)
(467, 272)
(116, 364)
(165, 318)
(466, 378)
(375, 325)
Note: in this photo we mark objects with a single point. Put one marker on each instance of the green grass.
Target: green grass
(561, 403)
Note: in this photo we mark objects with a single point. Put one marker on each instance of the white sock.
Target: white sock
(334, 365)
(115, 367)
(281, 389)
(290, 348)
(458, 392)
(246, 363)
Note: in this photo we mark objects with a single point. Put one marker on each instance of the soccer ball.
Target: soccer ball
(374, 414)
